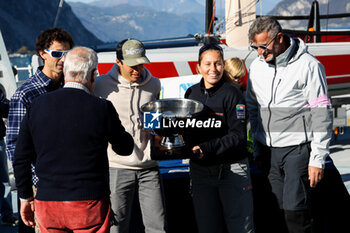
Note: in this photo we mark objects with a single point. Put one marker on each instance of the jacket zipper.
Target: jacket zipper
(269, 106)
(274, 96)
(206, 96)
(304, 122)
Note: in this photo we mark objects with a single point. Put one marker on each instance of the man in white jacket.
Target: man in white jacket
(290, 114)
(128, 85)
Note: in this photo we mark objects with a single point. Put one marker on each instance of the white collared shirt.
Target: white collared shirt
(77, 86)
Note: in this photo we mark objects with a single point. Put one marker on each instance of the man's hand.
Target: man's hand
(315, 176)
(27, 213)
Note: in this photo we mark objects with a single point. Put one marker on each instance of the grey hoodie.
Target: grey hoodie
(127, 98)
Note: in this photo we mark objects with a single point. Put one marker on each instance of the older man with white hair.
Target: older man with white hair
(65, 133)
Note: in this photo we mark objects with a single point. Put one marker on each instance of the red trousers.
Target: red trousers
(73, 216)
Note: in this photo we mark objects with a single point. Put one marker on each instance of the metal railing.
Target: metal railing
(28, 68)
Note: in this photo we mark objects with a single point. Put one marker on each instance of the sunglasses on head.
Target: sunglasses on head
(263, 47)
(210, 47)
(56, 54)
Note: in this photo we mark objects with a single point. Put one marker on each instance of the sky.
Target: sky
(266, 5)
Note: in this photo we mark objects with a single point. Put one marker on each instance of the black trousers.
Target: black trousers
(288, 176)
(329, 201)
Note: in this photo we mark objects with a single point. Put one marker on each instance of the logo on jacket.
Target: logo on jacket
(240, 111)
(151, 120)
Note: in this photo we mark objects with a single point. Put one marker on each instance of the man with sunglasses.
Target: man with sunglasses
(290, 118)
(51, 45)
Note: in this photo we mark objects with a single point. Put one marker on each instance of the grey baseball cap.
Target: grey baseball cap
(134, 53)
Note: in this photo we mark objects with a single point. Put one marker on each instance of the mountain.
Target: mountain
(176, 7)
(114, 23)
(303, 7)
(114, 20)
(21, 21)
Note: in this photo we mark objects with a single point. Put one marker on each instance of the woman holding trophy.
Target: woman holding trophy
(221, 186)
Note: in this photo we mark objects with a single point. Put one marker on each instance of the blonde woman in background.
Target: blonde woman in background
(235, 70)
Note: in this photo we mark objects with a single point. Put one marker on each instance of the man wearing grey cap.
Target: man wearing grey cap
(128, 85)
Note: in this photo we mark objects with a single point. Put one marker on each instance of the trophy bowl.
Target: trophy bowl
(170, 110)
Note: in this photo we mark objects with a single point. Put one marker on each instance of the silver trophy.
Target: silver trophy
(170, 111)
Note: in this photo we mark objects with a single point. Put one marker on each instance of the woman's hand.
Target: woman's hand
(198, 152)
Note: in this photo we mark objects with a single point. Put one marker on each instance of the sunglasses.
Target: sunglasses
(56, 54)
(263, 47)
(210, 47)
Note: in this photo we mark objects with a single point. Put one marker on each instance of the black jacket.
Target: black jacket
(228, 143)
(4, 111)
(65, 134)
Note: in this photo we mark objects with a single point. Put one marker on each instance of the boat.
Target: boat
(174, 60)
(7, 78)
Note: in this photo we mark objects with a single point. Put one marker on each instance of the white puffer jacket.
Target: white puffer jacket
(288, 102)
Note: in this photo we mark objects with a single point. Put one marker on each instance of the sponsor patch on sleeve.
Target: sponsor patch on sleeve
(240, 111)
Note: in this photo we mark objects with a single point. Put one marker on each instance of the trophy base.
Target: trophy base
(172, 142)
(169, 150)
